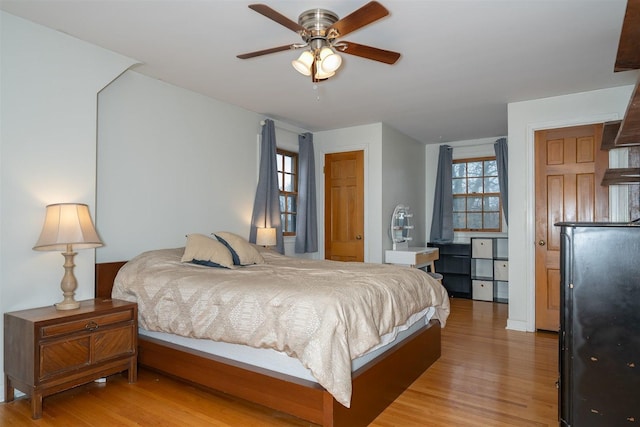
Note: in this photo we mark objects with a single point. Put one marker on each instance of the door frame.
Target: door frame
(528, 324)
(321, 201)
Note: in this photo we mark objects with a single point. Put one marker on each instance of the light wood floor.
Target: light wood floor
(487, 376)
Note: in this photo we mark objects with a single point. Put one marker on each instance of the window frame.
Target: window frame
(286, 214)
(468, 195)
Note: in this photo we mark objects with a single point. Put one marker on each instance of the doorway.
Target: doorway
(344, 206)
(569, 167)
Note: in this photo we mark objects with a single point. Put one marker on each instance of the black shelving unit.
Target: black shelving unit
(455, 266)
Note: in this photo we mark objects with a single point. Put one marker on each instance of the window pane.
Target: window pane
(288, 182)
(459, 220)
(280, 181)
(291, 203)
(475, 168)
(491, 203)
(492, 220)
(490, 168)
(459, 186)
(282, 204)
(474, 220)
(292, 223)
(474, 204)
(282, 221)
(459, 204)
(491, 185)
(475, 185)
(459, 170)
(279, 160)
(288, 164)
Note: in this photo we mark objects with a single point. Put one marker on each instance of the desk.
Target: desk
(414, 257)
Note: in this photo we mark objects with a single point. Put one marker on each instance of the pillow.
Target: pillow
(204, 250)
(242, 252)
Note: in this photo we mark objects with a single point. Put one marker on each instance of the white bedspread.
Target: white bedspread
(325, 313)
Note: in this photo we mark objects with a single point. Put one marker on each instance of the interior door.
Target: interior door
(569, 169)
(344, 206)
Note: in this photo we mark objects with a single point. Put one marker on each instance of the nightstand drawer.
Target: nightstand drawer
(89, 324)
(62, 356)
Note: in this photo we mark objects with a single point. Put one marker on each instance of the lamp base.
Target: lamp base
(67, 305)
(69, 282)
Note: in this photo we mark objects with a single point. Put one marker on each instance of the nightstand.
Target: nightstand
(47, 350)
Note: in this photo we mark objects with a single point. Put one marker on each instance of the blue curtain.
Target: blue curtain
(442, 221)
(502, 160)
(266, 206)
(307, 215)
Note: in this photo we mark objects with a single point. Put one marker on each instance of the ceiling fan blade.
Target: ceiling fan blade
(278, 17)
(381, 55)
(367, 14)
(267, 51)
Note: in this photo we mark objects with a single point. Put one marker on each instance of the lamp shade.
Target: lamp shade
(67, 224)
(329, 61)
(303, 63)
(266, 237)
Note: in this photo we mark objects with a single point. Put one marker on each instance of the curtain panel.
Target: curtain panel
(266, 205)
(502, 161)
(307, 216)
(442, 219)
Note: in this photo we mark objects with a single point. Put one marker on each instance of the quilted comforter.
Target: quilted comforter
(325, 313)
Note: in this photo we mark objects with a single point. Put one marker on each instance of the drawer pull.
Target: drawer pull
(91, 326)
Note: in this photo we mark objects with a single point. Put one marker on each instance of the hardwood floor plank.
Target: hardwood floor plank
(487, 376)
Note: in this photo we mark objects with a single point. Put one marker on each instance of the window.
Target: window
(288, 186)
(476, 195)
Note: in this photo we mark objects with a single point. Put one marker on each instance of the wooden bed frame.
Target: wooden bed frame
(375, 385)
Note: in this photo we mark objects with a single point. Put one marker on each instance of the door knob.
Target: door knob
(542, 242)
(358, 237)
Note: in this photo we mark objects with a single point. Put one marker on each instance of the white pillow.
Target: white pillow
(242, 252)
(204, 250)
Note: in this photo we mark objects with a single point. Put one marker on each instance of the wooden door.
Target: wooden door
(344, 206)
(569, 170)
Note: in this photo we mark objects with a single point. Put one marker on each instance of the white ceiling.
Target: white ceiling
(462, 61)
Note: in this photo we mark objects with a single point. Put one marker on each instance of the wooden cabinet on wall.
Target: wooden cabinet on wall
(47, 351)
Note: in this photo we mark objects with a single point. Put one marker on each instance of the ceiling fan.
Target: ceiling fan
(320, 30)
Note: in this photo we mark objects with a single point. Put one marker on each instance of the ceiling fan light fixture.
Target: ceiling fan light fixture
(303, 63)
(329, 60)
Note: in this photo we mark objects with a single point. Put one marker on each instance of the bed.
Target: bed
(324, 397)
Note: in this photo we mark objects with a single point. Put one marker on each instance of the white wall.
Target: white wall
(171, 162)
(49, 86)
(524, 119)
(403, 182)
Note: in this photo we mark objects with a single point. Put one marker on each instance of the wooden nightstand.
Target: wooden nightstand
(47, 351)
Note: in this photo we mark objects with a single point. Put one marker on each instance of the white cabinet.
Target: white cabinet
(413, 257)
(490, 269)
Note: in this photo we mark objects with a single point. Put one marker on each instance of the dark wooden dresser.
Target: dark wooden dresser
(47, 350)
(599, 382)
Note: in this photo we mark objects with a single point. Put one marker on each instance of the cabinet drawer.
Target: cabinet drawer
(482, 290)
(88, 324)
(481, 248)
(113, 343)
(62, 356)
(501, 270)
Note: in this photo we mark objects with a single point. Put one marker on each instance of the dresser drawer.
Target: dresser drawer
(88, 324)
(501, 270)
(482, 290)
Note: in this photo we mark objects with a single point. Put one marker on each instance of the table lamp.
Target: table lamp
(67, 226)
(266, 236)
